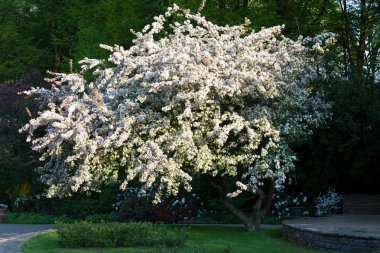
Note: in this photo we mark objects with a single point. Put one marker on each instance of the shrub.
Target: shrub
(100, 217)
(85, 234)
(283, 204)
(328, 204)
(133, 207)
(34, 218)
(23, 203)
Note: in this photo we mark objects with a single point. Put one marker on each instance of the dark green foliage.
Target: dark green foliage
(345, 154)
(48, 34)
(16, 159)
(36, 218)
(33, 218)
(18, 54)
(112, 235)
(79, 205)
(131, 207)
(109, 22)
(95, 218)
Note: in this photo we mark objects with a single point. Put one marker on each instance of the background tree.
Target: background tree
(16, 160)
(17, 53)
(345, 154)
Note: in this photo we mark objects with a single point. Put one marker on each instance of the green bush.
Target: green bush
(85, 234)
(96, 218)
(34, 218)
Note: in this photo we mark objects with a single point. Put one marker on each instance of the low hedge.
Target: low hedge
(112, 235)
(34, 218)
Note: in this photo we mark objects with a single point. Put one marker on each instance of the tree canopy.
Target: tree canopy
(192, 98)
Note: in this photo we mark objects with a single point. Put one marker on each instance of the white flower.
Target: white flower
(328, 203)
(202, 99)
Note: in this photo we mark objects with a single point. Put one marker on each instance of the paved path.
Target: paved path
(343, 224)
(263, 226)
(344, 233)
(12, 236)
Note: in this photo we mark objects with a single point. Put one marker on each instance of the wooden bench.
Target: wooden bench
(361, 204)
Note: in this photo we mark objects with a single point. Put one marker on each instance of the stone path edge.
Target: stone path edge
(318, 232)
(333, 241)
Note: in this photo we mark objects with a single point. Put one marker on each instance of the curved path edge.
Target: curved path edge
(14, 244)
(13, 236)
(331, 240)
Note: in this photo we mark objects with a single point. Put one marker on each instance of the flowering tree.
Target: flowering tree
(188, 97)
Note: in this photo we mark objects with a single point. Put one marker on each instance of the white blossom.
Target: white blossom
(202, 99)
(327, 204)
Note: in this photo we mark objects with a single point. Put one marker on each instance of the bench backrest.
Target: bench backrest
(361, 204)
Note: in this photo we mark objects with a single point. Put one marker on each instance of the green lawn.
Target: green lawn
(201, 240)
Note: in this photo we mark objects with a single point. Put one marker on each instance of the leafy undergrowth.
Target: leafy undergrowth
(34, 218)
(201, 240)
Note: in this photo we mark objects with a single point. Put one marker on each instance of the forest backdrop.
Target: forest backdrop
(40, 35)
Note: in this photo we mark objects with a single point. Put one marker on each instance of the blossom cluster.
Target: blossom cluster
(187, 97)
(282, 204)
(23, 203)
(327, 204)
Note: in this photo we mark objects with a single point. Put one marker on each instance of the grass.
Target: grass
(201, 240)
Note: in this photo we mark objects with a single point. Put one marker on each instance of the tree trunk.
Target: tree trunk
(349, 39)
(57, 50)
(247, 220)
(57, 58)
(362, 37)
(372, 63)
(252, 221)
